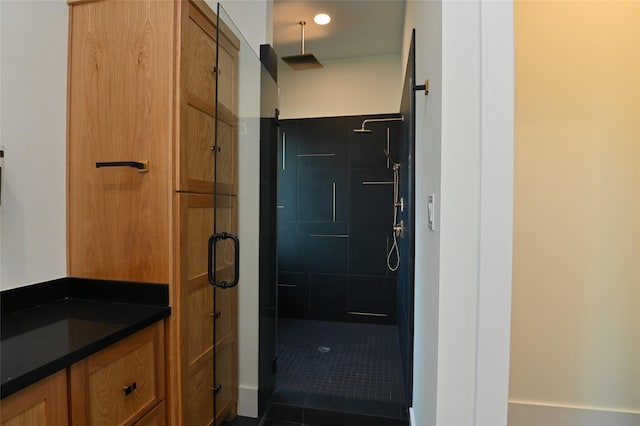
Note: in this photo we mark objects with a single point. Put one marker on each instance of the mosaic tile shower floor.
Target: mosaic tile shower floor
(362, 360)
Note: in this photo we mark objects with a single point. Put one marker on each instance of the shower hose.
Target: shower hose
(394, 247)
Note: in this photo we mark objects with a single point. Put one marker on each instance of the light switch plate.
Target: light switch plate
(431, 212)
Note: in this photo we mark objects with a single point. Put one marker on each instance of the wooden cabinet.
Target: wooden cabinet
(120, 384)
(43, 403)
(142, 87)
(155, 417)
(120, 109)
(200, 318)
(123, 384)
(196, 150)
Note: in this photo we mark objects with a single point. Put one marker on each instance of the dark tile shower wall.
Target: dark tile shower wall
(335, 213)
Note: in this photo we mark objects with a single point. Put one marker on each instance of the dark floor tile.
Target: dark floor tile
(242, 421)
(286, 412)
(333, 418)
(364, 420)
(284, 397)
(272, 422)
(323, 418)
(354, 406)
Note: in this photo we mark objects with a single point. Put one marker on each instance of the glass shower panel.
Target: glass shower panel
(237, 142)
(406, 244)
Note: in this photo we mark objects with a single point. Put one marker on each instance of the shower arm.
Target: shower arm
(380, 120)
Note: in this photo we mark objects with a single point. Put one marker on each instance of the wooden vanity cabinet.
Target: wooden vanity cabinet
(142, 87)
(122, 383)
(155, 417)
(42, 404)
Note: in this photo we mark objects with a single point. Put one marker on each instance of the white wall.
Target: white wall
(576, 305)
(464, 146)
(358, 86)
(33, 85)
(426, 17)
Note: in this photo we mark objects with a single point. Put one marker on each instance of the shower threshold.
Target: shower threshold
(325, 410)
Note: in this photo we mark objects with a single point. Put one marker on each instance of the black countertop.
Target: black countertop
(47, 327)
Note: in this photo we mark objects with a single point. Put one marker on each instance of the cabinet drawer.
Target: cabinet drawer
(201, 388)
(226, 372)
(43, 403)
(118, 385)
(155, 417)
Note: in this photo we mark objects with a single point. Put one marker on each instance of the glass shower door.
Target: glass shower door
(237, 137)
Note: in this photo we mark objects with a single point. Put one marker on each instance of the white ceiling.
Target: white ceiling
(357, 27)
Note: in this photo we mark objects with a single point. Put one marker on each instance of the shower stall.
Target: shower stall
(337, 218)
(345, 266)
(339, 222)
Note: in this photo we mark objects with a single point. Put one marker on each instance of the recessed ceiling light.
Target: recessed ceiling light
(322, 19)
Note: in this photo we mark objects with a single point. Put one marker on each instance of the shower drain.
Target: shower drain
(323, 349)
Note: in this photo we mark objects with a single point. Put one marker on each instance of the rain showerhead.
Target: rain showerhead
(302, 61)
(362, 128)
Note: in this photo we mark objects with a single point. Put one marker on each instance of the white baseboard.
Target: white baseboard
(411, 421)
(248, 402)
(534, 414)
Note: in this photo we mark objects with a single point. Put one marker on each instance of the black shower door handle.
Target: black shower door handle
(236, 267)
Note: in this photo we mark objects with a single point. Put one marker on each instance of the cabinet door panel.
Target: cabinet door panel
(226, 221)
(226, 310)
(197, 225)
(196, 295)
(196, 164)
(120, 109)
(199, 319)
(199, 388)
(197, 215)
(225, 379)
(197, 154)
(227, 77)
(226, 171)
(197, 151)
(199, 57)
(226, 313)
(41, 404)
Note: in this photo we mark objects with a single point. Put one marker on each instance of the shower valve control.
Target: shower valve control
(400, 204)
(399, 229)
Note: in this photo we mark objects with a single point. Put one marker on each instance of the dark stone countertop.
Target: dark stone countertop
(47, 327)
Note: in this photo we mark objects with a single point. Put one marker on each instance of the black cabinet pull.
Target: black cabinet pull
(236, 267)
(142, 166)
(216, 390)
(128, 389)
